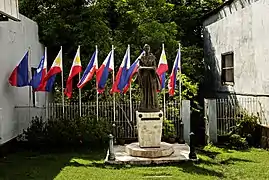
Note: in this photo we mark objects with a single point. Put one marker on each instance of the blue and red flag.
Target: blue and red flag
(120, 81)
(162, 68)
(173, 76)
(103, 71)
(89, 71)
(39, 74)
(131, 72)
(20, 75)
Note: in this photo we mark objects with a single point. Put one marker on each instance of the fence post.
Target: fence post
(186, 119)
(211, 120)
(1, 122)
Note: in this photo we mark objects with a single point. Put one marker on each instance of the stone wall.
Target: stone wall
(241, 28)
(15, 39)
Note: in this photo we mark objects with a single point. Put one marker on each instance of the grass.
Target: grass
(215, 163)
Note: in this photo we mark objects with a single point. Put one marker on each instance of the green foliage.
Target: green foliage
(84, 131)
(247, 124)
(246, 130)
(237, 142)
(70, 23)
(169, 130)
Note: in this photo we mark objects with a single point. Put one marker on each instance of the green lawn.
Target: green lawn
(215, 163)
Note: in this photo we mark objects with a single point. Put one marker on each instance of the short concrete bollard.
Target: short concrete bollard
(111, 148)
(114, 132)
(192, 154)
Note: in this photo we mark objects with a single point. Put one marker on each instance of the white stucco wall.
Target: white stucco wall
(15, 39)
(242, 28)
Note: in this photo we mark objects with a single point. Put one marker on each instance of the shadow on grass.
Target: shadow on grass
(208, 153)
(202, 167)
(36, 165)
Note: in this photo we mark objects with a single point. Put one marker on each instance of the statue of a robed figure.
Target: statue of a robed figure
(149, 82)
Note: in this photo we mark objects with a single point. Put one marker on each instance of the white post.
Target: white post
(211, 120)
(186, 119)
(113, 79)
(97, 102)
(62, 74)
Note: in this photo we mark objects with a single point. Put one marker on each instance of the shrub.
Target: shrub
(62, 132)
(237, 142)
(246, 127)
(168, 129)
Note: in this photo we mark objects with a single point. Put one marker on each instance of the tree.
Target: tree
(70, 23)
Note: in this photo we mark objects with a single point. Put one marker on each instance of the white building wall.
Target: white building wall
(242, 28)
(15, 39)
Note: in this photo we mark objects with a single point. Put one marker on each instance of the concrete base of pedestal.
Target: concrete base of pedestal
(165, 149)
(181, 154)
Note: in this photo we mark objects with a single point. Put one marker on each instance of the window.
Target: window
(227, 68)
(33, 70)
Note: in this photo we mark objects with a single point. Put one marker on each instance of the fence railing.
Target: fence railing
(229, 111)
(125, 117)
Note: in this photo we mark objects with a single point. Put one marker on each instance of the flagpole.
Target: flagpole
(79, 94)
(62, 74)
(79, 90)
(130, 92)
(46, 93)
(113, 79)
(97, 102)
(164, 108)
(30, 77)
(179, 88)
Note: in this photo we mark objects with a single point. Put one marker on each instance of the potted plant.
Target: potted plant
(169, 132)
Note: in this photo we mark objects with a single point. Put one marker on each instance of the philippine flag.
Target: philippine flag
(19, 76)
(120, 81)
(56, 67)
(103, 71)
(75, 70)
(131, 71)
(172, 79)
(89, 71)
(162, 68)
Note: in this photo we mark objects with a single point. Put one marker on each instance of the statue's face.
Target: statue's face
(147, 48)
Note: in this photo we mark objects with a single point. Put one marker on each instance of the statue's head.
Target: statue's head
(147, 48)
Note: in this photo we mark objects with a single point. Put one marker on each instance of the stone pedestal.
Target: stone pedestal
(164, 150)
(149, 125)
